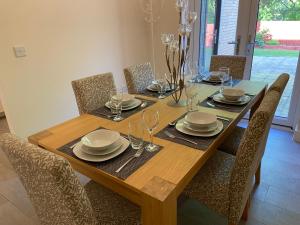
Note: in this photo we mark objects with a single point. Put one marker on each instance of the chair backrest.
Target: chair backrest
(280, 83)
(236, 64)
(249, 155)
(93, 92)
(138, 77)
(52, 186)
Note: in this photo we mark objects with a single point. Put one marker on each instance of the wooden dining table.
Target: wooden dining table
(156, 185)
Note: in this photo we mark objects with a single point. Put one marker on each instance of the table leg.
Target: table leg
(159, 204)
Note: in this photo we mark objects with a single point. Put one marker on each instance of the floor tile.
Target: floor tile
(264, 212)
(2, 200)
(14, 191)
(260, 191)
(6, 173)
(10, 215)
(277, 197)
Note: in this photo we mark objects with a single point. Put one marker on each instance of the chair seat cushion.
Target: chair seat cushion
(231, 144)
(211, 183)
(110, 208)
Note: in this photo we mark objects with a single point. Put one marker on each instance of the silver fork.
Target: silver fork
(136, 155)
(181, 138)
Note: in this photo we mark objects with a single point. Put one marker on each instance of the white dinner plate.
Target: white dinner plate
(77, 150)
(135, 103)
(242, 101)
(181, 128)
(204, 129)
(208, 80)
(106, 151)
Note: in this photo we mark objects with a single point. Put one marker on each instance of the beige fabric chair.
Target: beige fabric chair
(236, 64)
(93, 92)
(230, 145)
(57, 195)
(280, 83)
(138, 77)
(224, 183)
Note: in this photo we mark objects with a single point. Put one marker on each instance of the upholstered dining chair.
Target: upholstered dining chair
(138, 77)
(230, 145)
(236, 64)
(56, 193)
(224, 183)
(93, 92)
(280, 83)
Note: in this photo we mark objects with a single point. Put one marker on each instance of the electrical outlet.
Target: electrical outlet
(20, 51)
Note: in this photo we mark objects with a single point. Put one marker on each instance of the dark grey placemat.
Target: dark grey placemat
(154, 94)
(227, 83)
(102, 111)
(226, 107)
(203, 143)
(112, 165)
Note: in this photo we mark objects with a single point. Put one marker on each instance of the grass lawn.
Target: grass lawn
(275, 52)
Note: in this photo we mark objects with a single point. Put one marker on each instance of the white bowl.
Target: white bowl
(201, 119)
(100, 139)
(233, 94)
(215, 75)
(95, 151)
(126, 98)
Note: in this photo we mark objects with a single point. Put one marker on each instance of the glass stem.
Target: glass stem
(151, 137)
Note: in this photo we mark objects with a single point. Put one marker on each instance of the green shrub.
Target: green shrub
(272, 42)
(262, 37)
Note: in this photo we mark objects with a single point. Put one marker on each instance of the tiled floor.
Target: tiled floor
(276, 201)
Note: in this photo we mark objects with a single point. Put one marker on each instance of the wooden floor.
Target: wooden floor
(276, 201)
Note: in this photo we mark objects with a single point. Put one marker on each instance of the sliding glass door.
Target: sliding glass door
(272, 47)
(266, 32)
(209, 12)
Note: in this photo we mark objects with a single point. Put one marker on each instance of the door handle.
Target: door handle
(237, 45)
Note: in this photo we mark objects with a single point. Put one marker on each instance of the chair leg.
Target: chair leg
(246, 209)
(257, 175)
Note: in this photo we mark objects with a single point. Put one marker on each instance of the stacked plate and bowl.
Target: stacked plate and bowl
(199, 124)
(154, 86)
(128, 102)
(215, 77)
(100, 145)
(232, 96)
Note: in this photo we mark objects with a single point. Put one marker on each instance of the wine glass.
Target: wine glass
(116, 100)
(193, 70)
(162, 88)
(224, 74)
(136, 134)
(151, 120)
(191, 93)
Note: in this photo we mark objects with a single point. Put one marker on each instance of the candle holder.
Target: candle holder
(177, 51)
(147, 7)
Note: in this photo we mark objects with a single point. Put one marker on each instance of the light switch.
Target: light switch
(20, 51)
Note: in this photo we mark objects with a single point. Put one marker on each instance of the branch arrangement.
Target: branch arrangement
(176, 51)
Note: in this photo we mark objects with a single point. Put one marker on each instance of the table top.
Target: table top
(172, 168)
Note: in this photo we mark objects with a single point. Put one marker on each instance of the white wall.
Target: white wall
(285, 30)
(65, 40)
